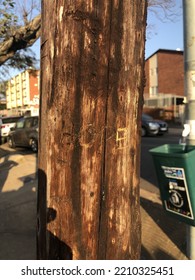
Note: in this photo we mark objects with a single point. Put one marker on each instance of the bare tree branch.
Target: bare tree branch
(26, 9)
(22, 38)
(18, 39)
(164, 10)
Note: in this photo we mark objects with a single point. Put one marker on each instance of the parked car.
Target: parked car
(6, 123)
(151, 126)
(25, 134)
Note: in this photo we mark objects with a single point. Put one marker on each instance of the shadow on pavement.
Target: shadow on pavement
(17, 206)
(18, 225)
(166, 235)
(159, 255)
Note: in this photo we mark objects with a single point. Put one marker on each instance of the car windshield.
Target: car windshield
(147, 117)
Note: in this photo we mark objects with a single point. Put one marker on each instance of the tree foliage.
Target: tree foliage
(19, 28)
(18, 31)
(8, 20)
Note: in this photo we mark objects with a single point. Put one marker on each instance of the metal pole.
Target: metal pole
(189, 78)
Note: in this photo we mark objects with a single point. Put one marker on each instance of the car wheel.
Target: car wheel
(34, 145)
(144, 132)
(11, 143)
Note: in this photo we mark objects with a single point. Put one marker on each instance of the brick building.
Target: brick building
(164, 89)
(22, 93)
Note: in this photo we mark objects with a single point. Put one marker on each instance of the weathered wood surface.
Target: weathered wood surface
(91, 93)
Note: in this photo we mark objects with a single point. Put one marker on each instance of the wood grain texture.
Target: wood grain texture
(91, 97)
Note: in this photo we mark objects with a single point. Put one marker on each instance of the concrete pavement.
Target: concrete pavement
(163, 237)
(18, 184)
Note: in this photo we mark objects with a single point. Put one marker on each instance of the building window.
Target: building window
(153, 71)
(153, 91)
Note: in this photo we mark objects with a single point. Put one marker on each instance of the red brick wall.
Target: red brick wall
(171, 73)
(34, 88)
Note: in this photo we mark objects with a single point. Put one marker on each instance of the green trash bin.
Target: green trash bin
(175, 169)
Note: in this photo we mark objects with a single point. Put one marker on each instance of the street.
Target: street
(18, 184)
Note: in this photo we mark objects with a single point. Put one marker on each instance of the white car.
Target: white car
(5, 125)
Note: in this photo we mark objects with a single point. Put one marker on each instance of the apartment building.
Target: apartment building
(22, 93)
(164, 72)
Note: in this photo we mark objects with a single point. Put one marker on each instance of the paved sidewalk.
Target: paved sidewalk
(163, 238)
(18, 184)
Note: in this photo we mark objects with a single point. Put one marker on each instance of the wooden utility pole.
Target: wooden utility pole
(92, 79)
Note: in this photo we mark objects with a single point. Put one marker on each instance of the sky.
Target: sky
(165, 35)
(161, 35)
